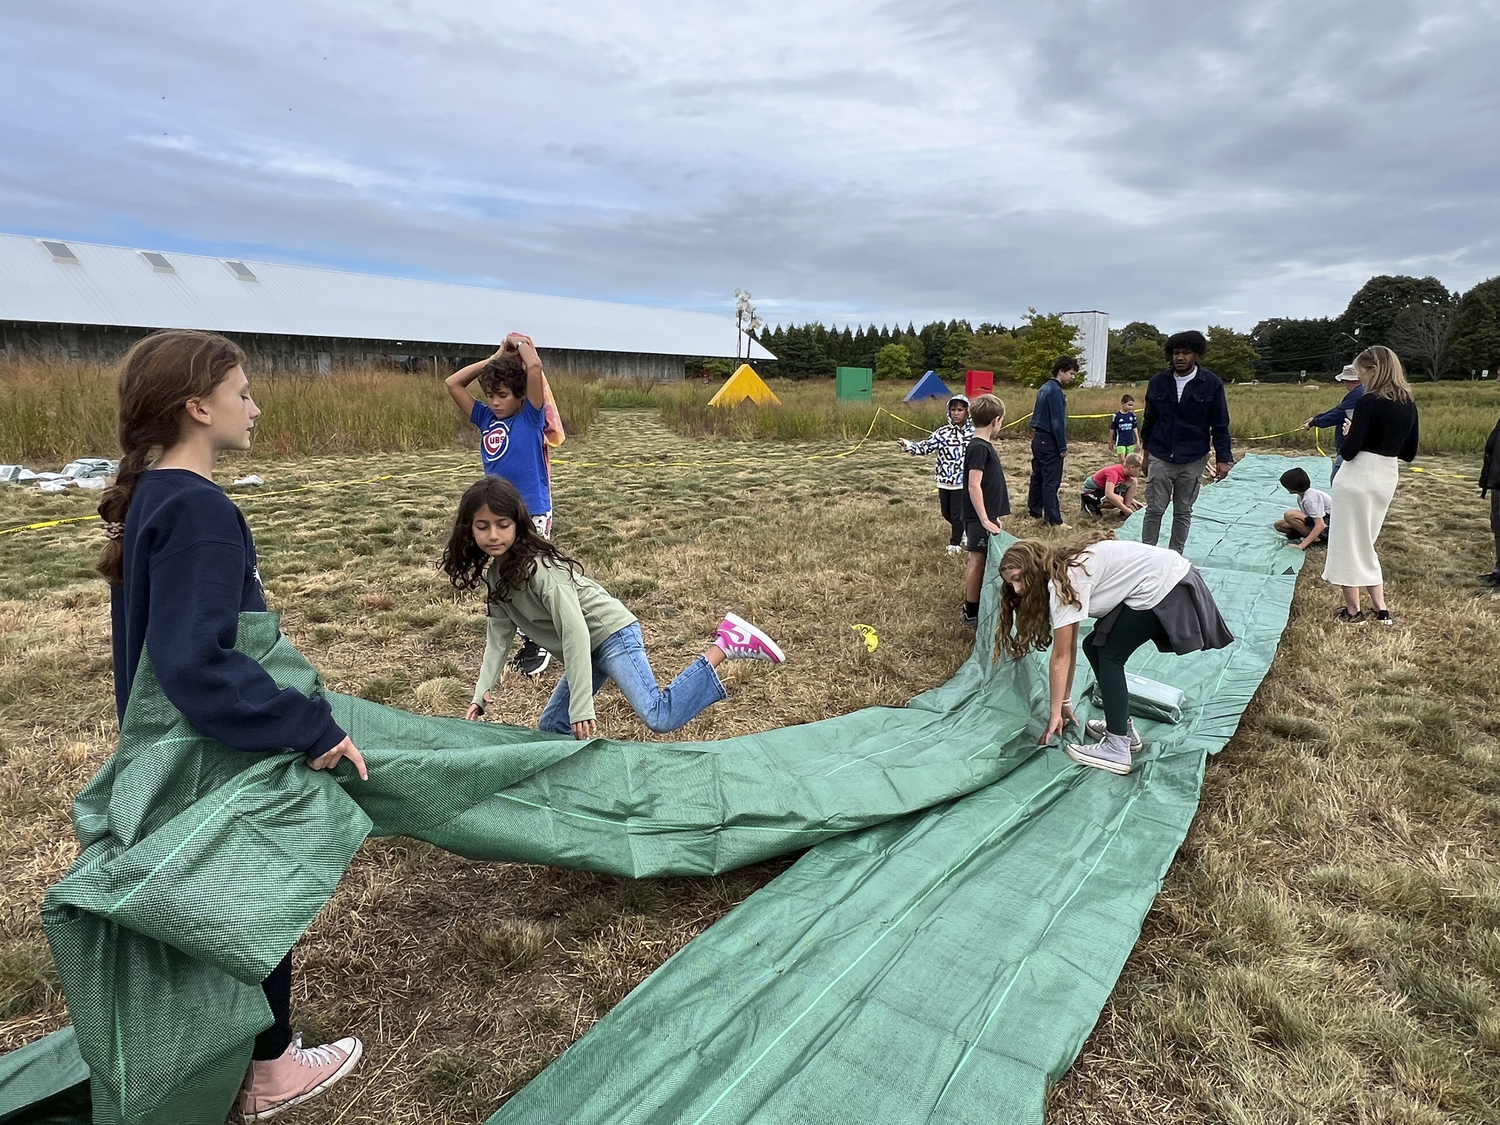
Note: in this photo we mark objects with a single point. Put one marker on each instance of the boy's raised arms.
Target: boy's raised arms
(536, 394)
(458, 383)
(536, 386)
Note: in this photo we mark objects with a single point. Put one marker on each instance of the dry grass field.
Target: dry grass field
(1327, 944)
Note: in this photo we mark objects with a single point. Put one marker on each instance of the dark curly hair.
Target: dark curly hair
(464, 563)
(506, 370)
(1193, 340)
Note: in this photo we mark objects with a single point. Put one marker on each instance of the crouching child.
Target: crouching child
(1306, 524)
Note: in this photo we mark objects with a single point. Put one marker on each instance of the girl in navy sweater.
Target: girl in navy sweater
(181, 567)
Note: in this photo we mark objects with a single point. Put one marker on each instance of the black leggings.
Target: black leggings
(1495, 523)
(274, 1040)
(1132, 629)
(951, 500)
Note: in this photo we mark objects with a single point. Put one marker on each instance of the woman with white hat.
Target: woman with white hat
(1340, 414)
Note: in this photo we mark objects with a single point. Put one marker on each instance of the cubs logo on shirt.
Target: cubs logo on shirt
(495, 441)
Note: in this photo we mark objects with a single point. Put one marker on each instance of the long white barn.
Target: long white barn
(81, 300)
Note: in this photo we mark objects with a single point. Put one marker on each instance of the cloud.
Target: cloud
(1161, 159)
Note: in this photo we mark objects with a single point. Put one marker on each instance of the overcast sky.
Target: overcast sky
(1167, 160)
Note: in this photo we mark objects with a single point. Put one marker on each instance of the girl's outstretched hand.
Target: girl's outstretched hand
(585, 730)
(473, 712)
(1059, 722)
(344, 751)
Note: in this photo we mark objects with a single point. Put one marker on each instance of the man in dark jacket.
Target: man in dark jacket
(1489, 482)
(1185, 411)
(1339, 414)
(1049, 443)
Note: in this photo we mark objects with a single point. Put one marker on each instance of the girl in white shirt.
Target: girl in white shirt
(1138, 593)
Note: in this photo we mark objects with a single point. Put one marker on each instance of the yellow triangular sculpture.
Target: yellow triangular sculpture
(743, 384)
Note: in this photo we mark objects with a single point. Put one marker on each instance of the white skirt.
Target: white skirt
(1361, 496)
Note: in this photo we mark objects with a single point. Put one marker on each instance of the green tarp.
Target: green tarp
(976, 942)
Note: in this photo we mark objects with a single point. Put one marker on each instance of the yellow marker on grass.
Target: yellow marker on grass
(872, 640)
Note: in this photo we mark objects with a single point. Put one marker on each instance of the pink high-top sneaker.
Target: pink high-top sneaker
(299, 1074)
(741, 640)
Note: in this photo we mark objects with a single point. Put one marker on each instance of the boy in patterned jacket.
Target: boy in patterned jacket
(949, 443)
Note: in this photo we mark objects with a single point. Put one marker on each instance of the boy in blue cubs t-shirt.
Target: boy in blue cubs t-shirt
(512, 445)
(1123, 427)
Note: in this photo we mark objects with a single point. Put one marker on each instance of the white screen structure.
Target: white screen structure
(1093, 338)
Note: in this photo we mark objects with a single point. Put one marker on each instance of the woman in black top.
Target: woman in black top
(1383, 429)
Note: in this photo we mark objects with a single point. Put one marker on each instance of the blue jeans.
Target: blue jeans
(622, 658)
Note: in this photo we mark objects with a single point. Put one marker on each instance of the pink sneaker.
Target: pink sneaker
(741, 640)
(301, 1073)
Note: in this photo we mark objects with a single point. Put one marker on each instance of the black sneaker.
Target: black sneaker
(1490, 579)
(1092, 507)
(1344, 617)
(965, 620)
(532, 659)
(1383, 617)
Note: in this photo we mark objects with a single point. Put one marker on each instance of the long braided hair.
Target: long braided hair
(1026, 618)
(157, 377)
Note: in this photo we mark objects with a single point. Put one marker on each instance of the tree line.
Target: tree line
(1439, 334)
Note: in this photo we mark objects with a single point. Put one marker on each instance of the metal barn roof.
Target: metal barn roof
(55, 281)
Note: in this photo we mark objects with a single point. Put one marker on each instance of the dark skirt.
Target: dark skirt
(1189, 616)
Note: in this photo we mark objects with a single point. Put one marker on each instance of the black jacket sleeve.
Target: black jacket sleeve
(1408, 451)
(1218, 423)
(1336, 416)
(1148, 417)
(190, 637)
(1489, 475)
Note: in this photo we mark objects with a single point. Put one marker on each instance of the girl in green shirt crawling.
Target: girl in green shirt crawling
(537, 589)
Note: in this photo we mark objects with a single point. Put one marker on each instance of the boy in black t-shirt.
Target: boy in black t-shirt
(986, 500)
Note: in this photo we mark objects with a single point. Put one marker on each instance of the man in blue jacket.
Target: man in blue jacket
(1336, 416)
(1185, 411)
(1049, 442)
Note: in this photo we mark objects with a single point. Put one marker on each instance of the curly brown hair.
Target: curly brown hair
(464, 563)
(506, 370)
(1026, 618)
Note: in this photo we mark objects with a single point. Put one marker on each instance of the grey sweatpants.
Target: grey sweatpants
(1175, 484)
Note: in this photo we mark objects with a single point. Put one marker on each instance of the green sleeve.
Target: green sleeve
(498, 634)
(560, 596)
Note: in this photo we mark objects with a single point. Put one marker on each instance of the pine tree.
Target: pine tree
(1231, 355)
(1047, 338)
(934, 336)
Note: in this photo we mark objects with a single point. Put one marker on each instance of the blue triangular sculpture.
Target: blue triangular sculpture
(929, 386)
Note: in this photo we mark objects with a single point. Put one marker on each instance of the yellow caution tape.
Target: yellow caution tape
(879, 410)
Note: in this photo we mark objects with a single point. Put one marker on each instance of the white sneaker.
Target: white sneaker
(955, 548)
(1096, 729)
(1100, 756)
(741, 640)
